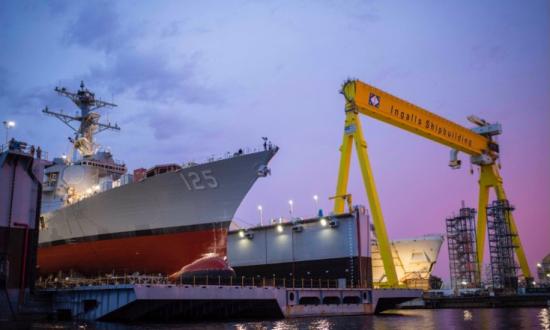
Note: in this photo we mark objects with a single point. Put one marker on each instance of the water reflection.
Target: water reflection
(284, 325)
(323, 324)
(489, 318)
(544, 318)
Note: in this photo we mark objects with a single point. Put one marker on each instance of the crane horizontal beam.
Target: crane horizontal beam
(390, 109)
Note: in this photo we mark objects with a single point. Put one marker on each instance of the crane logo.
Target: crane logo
(374, 100)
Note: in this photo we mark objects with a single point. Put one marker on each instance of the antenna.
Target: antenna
(88, 118)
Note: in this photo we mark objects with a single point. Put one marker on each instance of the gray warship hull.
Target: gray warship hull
(156, 225)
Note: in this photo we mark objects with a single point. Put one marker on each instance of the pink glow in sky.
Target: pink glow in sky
(195, 78)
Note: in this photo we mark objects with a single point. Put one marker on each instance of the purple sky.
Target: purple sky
(198, 78)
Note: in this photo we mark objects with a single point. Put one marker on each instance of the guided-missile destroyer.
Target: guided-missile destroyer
(98, 218)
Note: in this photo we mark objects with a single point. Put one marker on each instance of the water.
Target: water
(497, 318)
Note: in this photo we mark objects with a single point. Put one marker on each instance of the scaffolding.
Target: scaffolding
(461, 242)
(501, 247)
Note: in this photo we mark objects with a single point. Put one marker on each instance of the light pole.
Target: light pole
(261, 210)
(291, 208)
(316, 200)
(8, 124)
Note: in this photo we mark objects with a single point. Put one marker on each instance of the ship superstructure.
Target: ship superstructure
(88, 169)
(97, 218)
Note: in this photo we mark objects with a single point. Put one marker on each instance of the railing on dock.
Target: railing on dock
(242, 281)
(26, 149)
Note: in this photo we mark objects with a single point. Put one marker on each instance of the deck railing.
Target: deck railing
(197, 281)
(229, 154)
(26, 150)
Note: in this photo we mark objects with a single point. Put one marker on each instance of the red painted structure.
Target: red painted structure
(160, 253)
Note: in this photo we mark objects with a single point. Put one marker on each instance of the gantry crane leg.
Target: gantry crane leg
(343, 170)
(353, 131)
(490, 178)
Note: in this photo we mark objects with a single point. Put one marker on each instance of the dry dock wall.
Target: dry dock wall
(20, 190)
(306, 250)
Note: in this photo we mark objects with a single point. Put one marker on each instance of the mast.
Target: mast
(89, 125)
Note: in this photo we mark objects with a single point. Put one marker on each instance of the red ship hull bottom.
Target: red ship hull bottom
(148, 254)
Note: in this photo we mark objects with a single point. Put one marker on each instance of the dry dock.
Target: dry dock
(165, 302)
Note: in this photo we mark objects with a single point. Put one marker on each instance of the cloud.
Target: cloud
(3, 82)
(172, 29)
(179, 27)
(148, 72)
(166, 125)
(150, 77)
(160, 86)
(486, 54)
(97, 26)
(58, 7)
(27, 101)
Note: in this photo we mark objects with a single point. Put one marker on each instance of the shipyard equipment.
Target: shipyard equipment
(461, 240)
(501, 247)
(477, 142)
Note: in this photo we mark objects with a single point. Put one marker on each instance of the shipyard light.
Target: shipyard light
(280, 228)
(316, 200)
(539, 265)
(323, 222)
(241, 233)
(260, 209)
(64, 157)
(464, 283)
(8, 124)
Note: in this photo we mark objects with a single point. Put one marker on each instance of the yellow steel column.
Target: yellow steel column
(374, 204)
(490, 177)
(484, 185)
(345, 159)
(520, 253)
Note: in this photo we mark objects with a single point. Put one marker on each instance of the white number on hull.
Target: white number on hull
(194, 181)
(210, 179)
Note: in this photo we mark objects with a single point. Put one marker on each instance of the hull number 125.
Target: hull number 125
(199, 181)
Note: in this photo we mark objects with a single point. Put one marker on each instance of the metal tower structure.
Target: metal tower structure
(501, 247)
(478, 142)
(461, 240)
(89, 125)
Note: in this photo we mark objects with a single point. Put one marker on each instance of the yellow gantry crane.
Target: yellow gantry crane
(477, 142)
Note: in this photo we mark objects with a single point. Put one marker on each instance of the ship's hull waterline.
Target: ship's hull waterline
(145, 254)
(157, 225)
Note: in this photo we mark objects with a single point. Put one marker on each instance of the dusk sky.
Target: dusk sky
(200, 78)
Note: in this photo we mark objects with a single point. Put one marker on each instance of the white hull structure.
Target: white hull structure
(414, 259)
